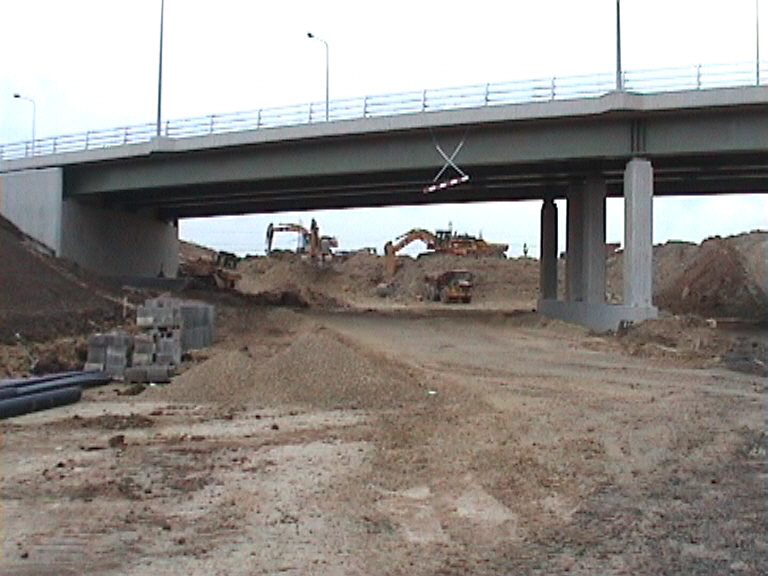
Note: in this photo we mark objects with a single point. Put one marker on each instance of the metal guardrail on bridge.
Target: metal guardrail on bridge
(699, 77)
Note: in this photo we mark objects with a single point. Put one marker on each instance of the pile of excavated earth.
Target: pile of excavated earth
(42, 297)
(721, 278)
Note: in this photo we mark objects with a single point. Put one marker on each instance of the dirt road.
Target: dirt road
(482, 443)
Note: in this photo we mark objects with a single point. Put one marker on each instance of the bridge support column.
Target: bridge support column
(548, 249)
(638, 235)
(593, 263)
(574, 244)
(585, 268)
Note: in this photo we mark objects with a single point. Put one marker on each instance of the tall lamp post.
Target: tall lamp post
(757, 41)
(160, 72)
(34, 117)
(619, 72)
(313, 37)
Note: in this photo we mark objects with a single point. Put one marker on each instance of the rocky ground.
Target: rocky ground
(350, 434)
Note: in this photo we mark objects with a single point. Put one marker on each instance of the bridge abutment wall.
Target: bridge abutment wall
(107, 241)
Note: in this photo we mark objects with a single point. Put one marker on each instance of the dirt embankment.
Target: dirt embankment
(721, 278)
(727, 277)
(351, 281)
(43, 298)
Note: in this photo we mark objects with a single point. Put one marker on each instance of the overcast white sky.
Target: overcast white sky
(92, 64)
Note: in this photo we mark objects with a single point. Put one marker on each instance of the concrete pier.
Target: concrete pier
(548, 250)
(638, 234)
(584, 301)
(593, 265)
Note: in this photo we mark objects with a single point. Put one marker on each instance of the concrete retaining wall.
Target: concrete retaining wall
(106, 241)
(115, 243)
(31, 200)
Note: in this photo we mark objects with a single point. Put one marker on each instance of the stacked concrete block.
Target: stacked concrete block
(197, 325)
(168, 347)
(143, 350)
(110, 352)
(169, 327)
(193, 321)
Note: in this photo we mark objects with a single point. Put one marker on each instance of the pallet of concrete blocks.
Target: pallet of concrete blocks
(192, 320)
(159, 313)
(109, 352)
(196, 325)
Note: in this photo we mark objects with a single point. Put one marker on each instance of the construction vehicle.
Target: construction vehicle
(450, 286)
(442, 241)
(310, 241)
(217, 270)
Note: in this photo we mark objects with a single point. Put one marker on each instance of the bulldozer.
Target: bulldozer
(218, 270)
(450, 286)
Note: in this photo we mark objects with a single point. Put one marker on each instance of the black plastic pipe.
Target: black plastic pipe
(27, 403)
(36, 379)
(85, 379)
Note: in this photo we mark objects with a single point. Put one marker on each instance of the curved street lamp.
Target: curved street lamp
(313, 37)
(34, 116)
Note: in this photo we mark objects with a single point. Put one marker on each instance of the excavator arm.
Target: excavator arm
(392, 248)
(298, 228)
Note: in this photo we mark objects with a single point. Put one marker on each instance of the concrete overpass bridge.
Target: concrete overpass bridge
(115, 209)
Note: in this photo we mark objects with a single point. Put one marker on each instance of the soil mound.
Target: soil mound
(41, 297)
(727, 277)
(352, 280)
(721, 278)
(320, 368)
(688, 338)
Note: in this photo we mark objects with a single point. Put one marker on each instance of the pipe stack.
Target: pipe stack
(24, 395)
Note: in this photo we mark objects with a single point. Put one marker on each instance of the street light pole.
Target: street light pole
(757, 41)
(34, 117)
(313, 37)
(160, 72)
(619, 73)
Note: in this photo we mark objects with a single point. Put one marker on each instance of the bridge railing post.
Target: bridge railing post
(424, 101)
(210, 127)
(698, 77)
(552, 89)
(258, 119)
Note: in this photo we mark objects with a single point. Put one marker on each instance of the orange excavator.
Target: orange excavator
(310, 241)
(442, 241)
